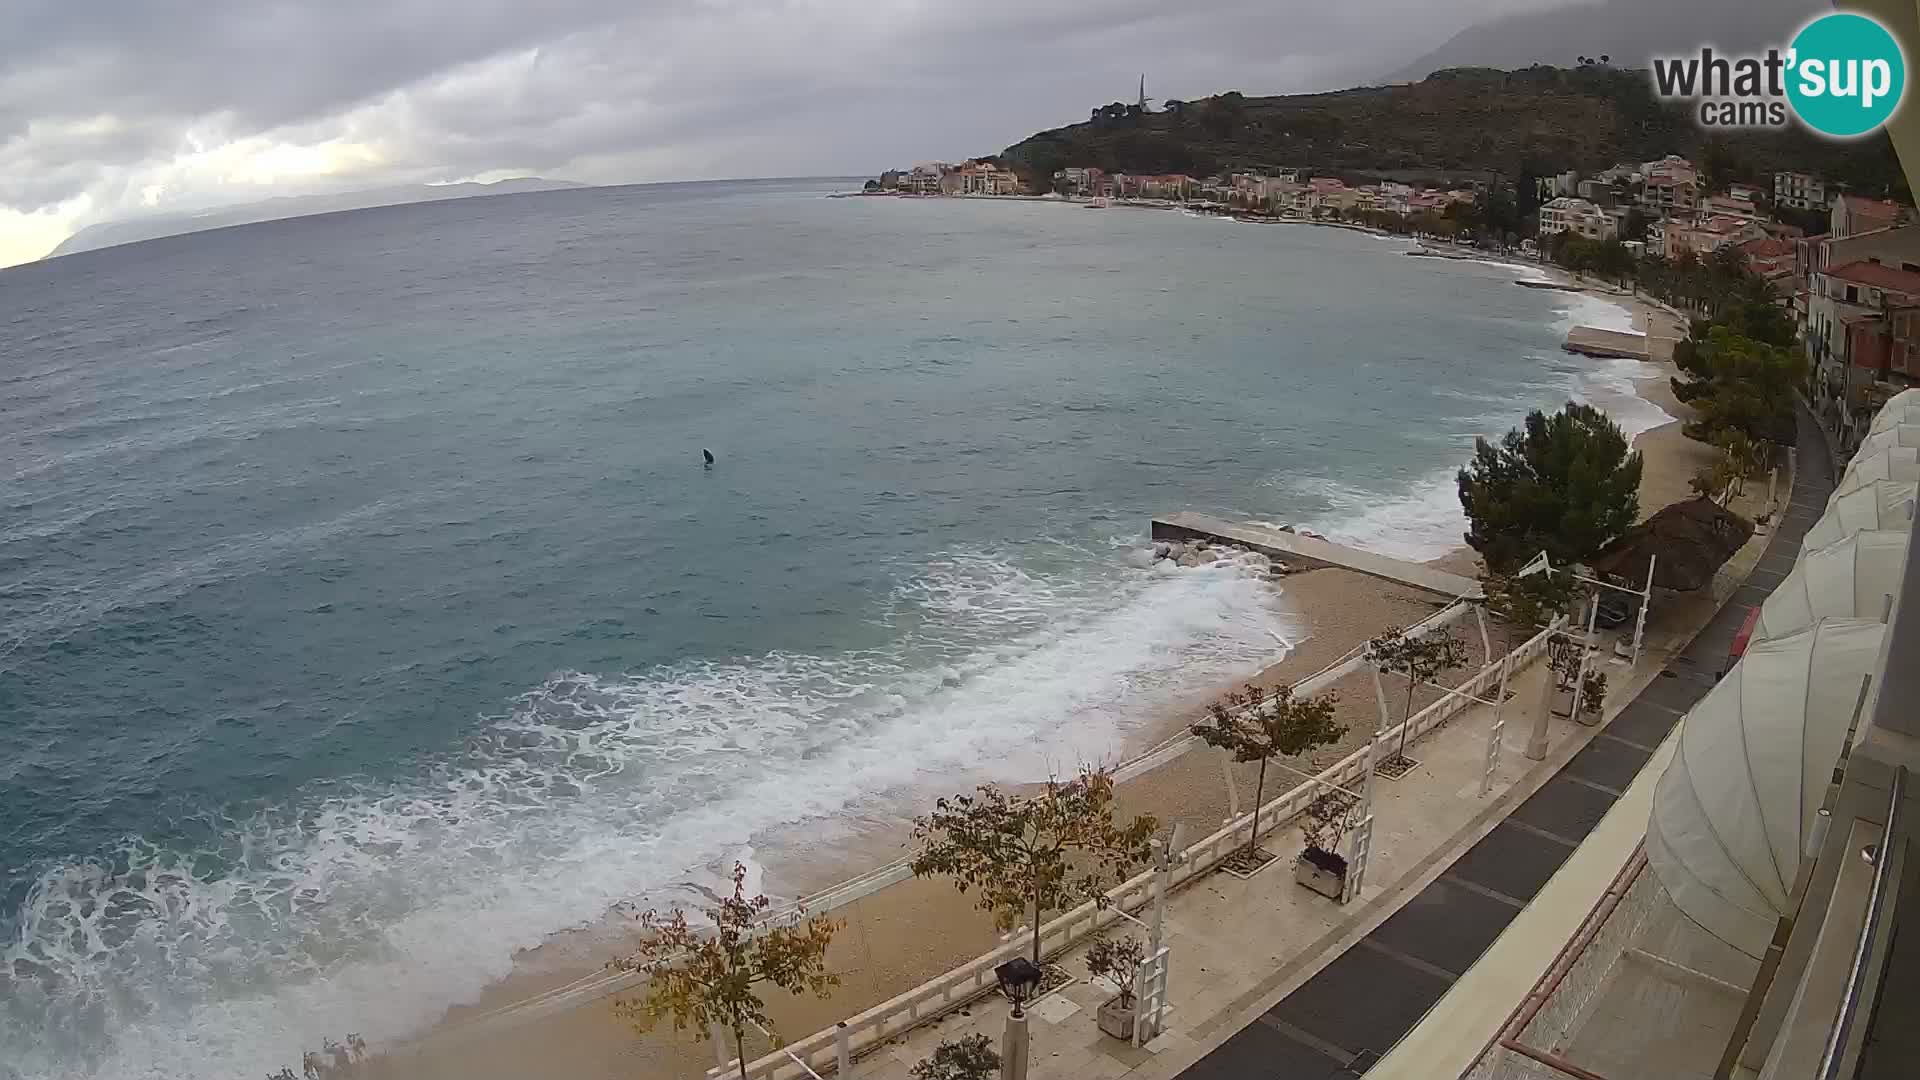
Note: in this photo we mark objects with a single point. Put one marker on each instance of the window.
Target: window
(1853, 295)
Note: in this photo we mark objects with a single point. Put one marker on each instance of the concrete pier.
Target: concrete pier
(1608, 344)
(1304, 552)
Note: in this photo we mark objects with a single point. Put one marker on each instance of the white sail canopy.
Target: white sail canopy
(1901, 410)
(1897, 435)
(1897, 410)
(1851, 579)
(1733, 811)
(1897, 463)
(1883, 504)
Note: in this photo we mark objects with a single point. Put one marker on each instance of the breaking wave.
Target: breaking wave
(374, 907)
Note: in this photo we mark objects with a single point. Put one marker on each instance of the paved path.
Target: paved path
(1304, 551)
(1339, 1022)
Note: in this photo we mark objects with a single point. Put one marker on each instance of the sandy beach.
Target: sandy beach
(906, 933)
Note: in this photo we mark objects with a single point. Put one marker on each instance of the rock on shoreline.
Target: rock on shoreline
(1194, 553)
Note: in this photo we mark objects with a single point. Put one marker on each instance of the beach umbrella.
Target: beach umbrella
(1733, 812)
(1895, 463)
(1853, 579)
(1882, 504)
(1688, 542)
(1897, 435)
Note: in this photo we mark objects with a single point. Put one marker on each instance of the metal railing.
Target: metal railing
(1887, 857)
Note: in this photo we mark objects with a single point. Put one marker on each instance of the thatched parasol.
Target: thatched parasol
(1688, 542)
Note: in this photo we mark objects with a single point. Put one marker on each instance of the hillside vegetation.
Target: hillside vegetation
(1458, 124)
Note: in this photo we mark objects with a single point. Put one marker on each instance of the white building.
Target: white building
(1799, 190)
(1582, 218)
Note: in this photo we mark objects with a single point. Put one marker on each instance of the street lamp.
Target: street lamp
(1019, 980)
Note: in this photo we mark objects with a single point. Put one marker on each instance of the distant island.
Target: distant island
(152, 227)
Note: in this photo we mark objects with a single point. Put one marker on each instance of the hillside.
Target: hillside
(132, 230)
(1629, 31)
(1454, 124)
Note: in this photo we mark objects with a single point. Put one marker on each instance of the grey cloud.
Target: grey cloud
(606, 91)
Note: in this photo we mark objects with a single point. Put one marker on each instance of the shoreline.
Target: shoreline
(889, 943)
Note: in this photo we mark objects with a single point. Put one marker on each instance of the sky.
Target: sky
(115, 108)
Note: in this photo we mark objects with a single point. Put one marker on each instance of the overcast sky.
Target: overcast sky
(110, 108)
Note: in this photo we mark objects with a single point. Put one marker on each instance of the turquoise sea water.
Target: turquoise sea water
(366, 612)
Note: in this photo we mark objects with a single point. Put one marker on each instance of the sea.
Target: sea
(368, 611)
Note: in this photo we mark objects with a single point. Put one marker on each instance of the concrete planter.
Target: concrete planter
(1117, 1019)
(1322, 871)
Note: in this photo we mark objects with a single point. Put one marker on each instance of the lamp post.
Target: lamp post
(1019, 980)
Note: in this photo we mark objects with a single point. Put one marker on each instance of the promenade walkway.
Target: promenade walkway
(1269, 980)
(1356, 1008)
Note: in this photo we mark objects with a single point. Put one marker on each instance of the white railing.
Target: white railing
(974, 979)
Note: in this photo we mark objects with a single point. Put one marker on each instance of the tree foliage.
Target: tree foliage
(1256, 724)
(1566, 484)
(970, 1057)
(1528, 603)
(1026, 855)
(1608, 259)
(1118, 961)
(701, 976)
(1721, 289)
(1325, 820)
(1593, 692)
(1419, 659)
(1738, 386)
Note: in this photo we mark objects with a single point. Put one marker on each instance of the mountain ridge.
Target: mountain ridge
(152, 227)
(1457, 125)
(1630, 32)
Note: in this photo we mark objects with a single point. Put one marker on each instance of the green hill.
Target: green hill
(1456, 124)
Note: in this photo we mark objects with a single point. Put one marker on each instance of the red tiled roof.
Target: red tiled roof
(1877, 207)
(1766, 248)
(1883, 277)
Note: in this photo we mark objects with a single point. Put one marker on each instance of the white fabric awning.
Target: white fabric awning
(1851, 579)
(1901, 410)
(1895, 463)
(1883, 504)
(1733, 811)
(1897, 435)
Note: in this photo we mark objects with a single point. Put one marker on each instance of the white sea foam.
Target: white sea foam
(1423, 520)
(1585, 309)
(373, 909)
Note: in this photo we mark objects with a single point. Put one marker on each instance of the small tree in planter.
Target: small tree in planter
(1321, 866)
(1593, 696)
(971, 1057)
(1257, 725)
(1031, 854)
(1117, 961)
(1418, 659)
(1525, 604)
(1563, 667)
(707, 976)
